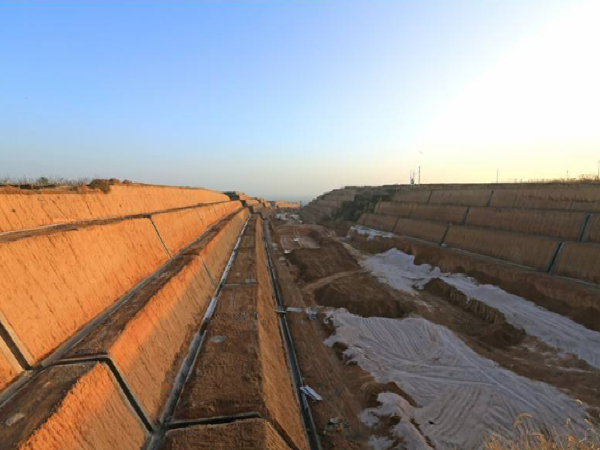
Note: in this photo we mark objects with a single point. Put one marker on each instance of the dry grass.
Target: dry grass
(42, 182)
(54, 182)
(581, 179)
(549, 439)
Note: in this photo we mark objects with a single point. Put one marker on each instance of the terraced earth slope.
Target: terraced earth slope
(453, 310)
(424, 317)
(143, 317)
(553, 228)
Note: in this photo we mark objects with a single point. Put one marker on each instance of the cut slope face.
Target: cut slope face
(572, 198)
(551, 223)
(532, 251)
(549, 228)
(519, 335)
(179, 228)
(548, 231)
(69, 277)
(577, 260)
(102, 315)
(246, 434)
(9, 366)
(31, 209)
(241, 368)
(148, 337)
(77, 407)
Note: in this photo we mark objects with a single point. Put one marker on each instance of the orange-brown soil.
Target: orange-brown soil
(215, 253)
(313, 265)
(53, 284)
(104, 305)
(241, 367)
(178, 228)
(580, 261)
(149, 336)
(546, 223)
(242, 434)
(73, 407)
(9, 366)
(449, 214)
(30, 209)
(226, 379)
(578, 301)
(530, 251)
(347, 390)
(371, 300)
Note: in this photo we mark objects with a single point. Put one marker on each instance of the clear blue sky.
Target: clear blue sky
(289, 99)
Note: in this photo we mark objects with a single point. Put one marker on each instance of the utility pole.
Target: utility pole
(497, 172)
(419, 175)
(599, 169)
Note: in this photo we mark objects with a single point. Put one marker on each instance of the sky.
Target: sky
(289, 99)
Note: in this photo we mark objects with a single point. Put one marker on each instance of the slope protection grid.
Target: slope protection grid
(550, 228)
(106, 297)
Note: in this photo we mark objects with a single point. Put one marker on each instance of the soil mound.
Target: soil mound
(318, 263)
(362, 295)
(498, 333)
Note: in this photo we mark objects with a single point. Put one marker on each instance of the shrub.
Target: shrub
(101, 184)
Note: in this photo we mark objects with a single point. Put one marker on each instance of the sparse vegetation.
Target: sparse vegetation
(102, 184)
(581, 179)
(550, 439)
(54, 182)
(43, 181)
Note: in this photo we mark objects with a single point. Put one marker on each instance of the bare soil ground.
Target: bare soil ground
(346, 389)
(566, 297)
(241, 367)
(242, 434)
(329, 276)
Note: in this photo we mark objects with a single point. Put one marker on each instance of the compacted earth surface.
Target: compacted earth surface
(406, 356)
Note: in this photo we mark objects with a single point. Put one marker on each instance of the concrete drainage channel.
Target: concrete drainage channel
(307, 418)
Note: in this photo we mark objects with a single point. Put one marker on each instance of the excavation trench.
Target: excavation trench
(361, 295)
(331, 277)
(121, 347)
(572, 299)
(240, 372)
(497, 333)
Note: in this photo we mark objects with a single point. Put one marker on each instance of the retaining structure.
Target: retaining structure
(102, 315)
(543, 227)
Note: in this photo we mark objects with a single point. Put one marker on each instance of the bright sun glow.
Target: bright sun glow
(545, 93)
